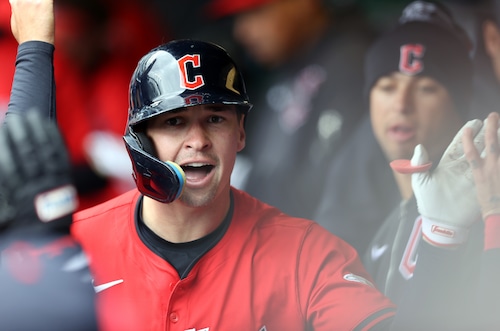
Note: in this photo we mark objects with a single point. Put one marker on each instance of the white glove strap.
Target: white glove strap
(56, 203)
(443, 235)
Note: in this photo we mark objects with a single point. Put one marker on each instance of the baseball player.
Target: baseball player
(44, 275)
(185, 250)
(443, 238)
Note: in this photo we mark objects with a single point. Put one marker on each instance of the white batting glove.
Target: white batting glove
(446, 197)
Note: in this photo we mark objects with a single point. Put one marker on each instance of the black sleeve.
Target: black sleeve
(33, 86)
(45, 282)
(451, 290)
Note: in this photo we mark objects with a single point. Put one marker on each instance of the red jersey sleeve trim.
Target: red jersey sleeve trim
(492, 232)
(375, 318)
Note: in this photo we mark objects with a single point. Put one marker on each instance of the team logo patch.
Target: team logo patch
(189, 80)
(411, 59)
(357, 278)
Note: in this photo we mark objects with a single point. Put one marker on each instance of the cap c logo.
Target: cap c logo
(410, 61)
(186, 82)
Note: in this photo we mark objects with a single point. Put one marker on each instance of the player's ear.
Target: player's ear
(241, 132)
(491, 38)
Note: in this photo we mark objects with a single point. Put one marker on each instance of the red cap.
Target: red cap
(221, 8)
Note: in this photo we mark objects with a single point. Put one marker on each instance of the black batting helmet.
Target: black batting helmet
(181, 73)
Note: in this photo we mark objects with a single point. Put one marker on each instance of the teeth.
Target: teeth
(195, 164)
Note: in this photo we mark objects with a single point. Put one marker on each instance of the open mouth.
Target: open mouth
(401, 129)
(197, 171)
(402, 132)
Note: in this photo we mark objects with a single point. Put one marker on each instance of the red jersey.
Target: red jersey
(269, 272)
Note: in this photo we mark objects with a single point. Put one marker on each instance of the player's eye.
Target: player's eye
(215, 119)
(386, 87)
(385, 84)
(173, 121)
(429, 88)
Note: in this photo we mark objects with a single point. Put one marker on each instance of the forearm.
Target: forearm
(434, 297)
(455, 289)
(34, 84)
(488, 293)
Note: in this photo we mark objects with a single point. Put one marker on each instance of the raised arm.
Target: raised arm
(486, 173)
(32, 24)
(455, 282)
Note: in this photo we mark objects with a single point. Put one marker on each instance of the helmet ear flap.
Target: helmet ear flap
(162, 181)
(146, 143)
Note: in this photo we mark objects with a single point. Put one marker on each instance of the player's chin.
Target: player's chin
(198, 197)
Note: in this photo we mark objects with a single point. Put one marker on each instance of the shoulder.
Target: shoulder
(93, 227)
(260, 214)
(261, 220)
(124, 201)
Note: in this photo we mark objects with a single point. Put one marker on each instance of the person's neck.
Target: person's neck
(177, 222)
(404, 184)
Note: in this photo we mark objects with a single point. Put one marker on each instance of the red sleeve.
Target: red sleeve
(341, 295)
(492, 232)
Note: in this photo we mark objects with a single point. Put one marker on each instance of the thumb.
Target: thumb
(420, 156)
(418, 163)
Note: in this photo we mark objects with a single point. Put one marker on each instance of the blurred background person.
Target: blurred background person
(433, 242)
(361, 190)
(308, 59)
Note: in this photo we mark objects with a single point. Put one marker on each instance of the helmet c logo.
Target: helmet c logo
(197, 81)
(410, 61)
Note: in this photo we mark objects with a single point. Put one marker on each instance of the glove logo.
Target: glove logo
(439, 230)
(56, 203)
(186, 82)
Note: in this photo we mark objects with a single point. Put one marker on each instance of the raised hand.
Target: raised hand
(32, 20)
(446, 197)
(485, 165)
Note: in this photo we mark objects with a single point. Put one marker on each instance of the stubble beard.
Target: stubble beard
(198, 199)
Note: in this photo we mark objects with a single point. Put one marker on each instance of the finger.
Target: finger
(419, 162)
(470, 150)
(420, 156)
(455, 150)
(491, 138)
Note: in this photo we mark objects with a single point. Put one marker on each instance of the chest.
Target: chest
(222, 292)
